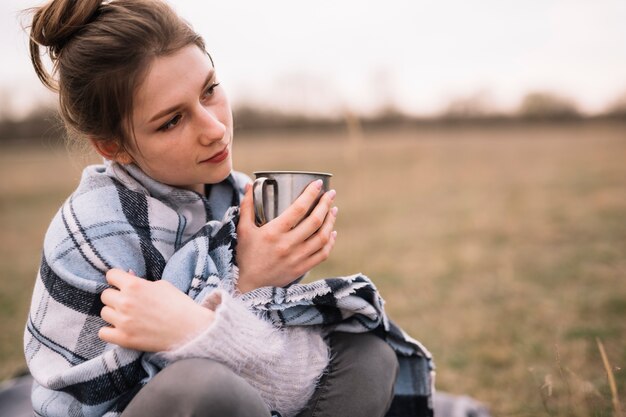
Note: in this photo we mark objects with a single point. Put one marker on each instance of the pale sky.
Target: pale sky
(326, 56)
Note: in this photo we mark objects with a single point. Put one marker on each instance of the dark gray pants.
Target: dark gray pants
(358, 382)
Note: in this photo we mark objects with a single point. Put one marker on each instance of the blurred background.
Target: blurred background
(478, 150)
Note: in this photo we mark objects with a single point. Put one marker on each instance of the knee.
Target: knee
(210, 388)
(382, 363)
(371, 362)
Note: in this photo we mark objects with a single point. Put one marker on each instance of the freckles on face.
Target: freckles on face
(181, 116)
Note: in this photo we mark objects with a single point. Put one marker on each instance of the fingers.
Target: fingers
(107, 334)
(246, 212)
(246, 206)
(112, 335)
(300, 207)
(120, 281)
(316, 219)
(324, 234)
(109, 315)
(110, 297)
(322, 254)
(119, 278)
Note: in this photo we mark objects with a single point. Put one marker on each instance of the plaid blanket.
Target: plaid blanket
(118, 217)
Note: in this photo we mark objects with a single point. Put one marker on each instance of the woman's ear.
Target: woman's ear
(112, 150)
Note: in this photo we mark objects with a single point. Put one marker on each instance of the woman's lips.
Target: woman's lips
(218, 157)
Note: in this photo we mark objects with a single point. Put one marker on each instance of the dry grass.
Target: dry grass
(502, 249)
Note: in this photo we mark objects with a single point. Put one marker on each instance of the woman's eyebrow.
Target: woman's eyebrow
(209, 79)
(171, 109)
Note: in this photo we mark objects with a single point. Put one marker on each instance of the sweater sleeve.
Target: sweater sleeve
(284, 364)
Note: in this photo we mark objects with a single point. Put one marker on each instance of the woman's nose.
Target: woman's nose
(210, 127)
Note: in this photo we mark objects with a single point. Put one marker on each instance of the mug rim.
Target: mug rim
(326, 174)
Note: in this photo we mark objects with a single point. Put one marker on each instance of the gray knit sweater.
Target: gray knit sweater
(283, 364)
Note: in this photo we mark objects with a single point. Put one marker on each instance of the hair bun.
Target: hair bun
(53, 25)
(56, 22)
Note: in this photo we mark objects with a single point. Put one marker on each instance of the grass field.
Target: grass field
(503, 249)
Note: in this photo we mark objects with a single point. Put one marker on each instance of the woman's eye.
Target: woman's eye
(171, 123)
(209, 91)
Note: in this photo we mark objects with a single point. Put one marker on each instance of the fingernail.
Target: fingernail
(318, 184)
(334, 234)
(130, 271)
(332, 194)
(334, 211)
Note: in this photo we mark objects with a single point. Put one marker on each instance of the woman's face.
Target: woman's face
(182, 121)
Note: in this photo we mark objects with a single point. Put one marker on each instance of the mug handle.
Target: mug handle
(258, 190)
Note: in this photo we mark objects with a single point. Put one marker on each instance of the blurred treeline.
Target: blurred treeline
(44, 124)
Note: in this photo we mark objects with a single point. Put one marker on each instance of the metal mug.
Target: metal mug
(274, 191)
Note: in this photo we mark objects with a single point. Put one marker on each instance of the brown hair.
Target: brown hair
(100, 52)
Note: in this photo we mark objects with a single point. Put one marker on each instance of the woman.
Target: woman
(157, 294)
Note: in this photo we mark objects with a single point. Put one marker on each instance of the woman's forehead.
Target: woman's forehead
(169, 79)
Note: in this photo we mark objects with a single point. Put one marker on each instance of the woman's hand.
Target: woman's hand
(283, 249)
(149, 316)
